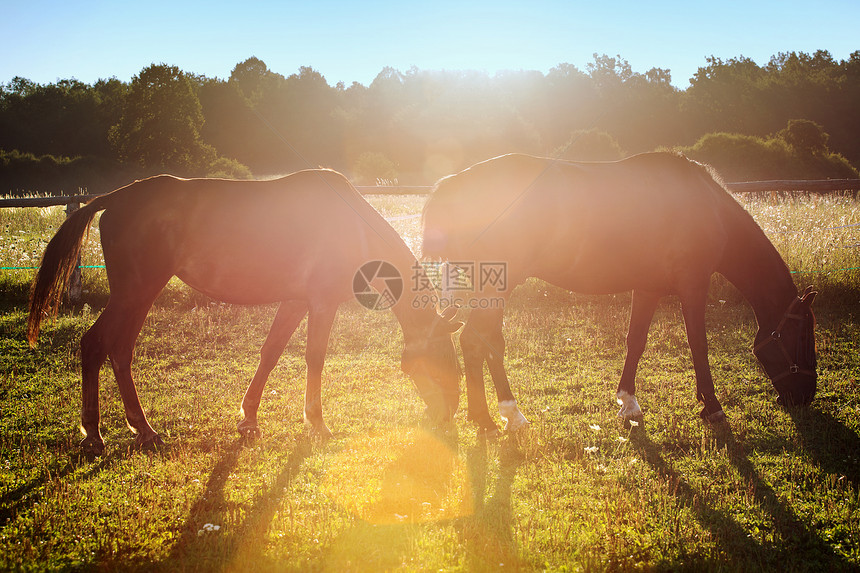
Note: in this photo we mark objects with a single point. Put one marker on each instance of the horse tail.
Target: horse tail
(58, 263)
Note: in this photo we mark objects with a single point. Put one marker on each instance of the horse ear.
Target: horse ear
(448, 322)
(808, 296)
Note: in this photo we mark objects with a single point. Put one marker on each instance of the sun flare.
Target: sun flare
(399, 476)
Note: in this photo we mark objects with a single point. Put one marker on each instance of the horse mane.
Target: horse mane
(746, 237)
(715, 183)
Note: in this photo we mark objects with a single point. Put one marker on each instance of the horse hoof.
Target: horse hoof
(148, 443)
(718, 417)
(490, 431)
(319, 434)
(629, 406)
(514, 419)
(521, 424)
(437, 415)
(92, 447)
(249, 432)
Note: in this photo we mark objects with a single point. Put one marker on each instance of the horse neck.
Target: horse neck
(414, 311)
(754, 266)
(414, 316)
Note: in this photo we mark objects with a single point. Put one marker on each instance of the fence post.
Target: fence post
(75, 290)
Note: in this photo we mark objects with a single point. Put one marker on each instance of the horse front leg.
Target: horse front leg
(641, 313)
(508, 409)
(287, 319)
(693, 307)
(487, 340)
(474, 353)
(320, 321)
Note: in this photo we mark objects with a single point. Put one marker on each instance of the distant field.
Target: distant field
(775, 489)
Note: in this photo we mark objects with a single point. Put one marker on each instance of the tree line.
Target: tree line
(795, 116)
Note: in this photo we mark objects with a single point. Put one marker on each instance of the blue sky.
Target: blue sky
(352, 41)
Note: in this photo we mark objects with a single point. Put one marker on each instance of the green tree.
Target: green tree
(805, 136)
(725, 96)
(795, 152)
(161, 122)
(569, 102)
(640, 110)
(252, 77)
(68, 118)
(590, 145)
(231, 126)
(306, 120)
(373, 168)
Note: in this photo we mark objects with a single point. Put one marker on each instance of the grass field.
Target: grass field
(773, 490)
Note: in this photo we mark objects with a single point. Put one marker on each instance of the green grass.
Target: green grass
(774, 490)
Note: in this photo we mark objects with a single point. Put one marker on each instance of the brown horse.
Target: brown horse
(298, 240)
(656, 224)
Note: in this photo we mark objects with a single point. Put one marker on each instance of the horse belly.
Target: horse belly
(607, 278)
(251, 279)
(608, 263)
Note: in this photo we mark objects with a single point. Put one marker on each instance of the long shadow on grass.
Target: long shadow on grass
(831, 444)
(243, 545)
(29, 494)
(726, 531)
(488, 532)
(733, 540)
(801, 546)
(484, 524)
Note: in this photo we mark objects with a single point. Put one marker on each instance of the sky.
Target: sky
(47, 40)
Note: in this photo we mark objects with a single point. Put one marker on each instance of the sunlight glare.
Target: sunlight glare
(399, 476)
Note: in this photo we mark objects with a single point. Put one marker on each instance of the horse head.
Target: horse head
(788, 353)
(431, 362)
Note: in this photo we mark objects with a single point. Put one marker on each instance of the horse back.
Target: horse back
(247, 241)
(650, 221)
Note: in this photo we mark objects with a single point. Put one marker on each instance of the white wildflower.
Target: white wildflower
(208, 528)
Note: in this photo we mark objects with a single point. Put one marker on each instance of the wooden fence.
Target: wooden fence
(775, 186)
(808, 186)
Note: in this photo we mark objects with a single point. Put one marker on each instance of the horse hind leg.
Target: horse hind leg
(93, 355)
(693, 308)
(287, 319)
(320, 321)
(121, 355)
(113, 335)
(642, 311)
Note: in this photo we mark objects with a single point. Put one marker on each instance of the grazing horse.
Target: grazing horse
(298, 240)
(656, 224)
